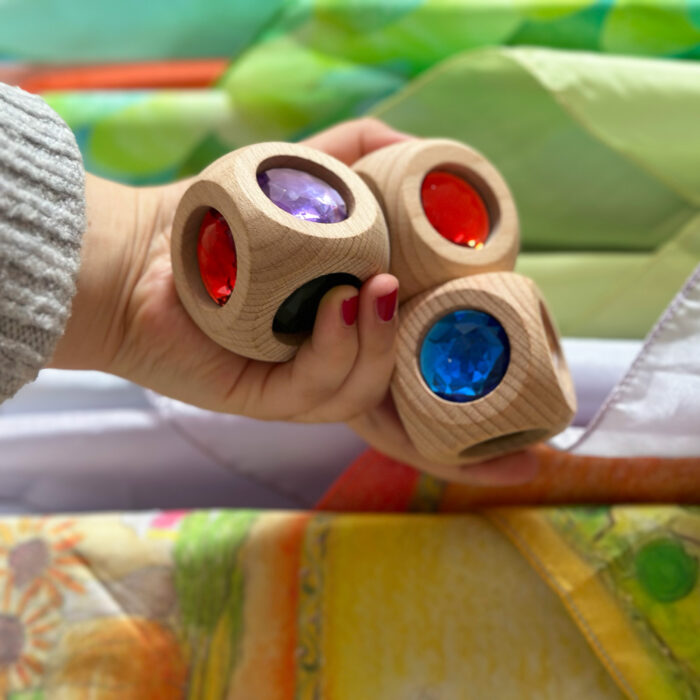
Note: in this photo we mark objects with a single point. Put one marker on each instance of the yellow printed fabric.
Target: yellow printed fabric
(510, 603)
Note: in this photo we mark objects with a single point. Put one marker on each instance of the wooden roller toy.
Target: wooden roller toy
(479, 370)
(449, 211)
(262, 234)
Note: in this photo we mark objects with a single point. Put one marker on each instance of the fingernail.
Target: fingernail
(349, 309)
(386, 306)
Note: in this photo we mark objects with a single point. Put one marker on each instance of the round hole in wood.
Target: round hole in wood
(297, 312)
(504, 443)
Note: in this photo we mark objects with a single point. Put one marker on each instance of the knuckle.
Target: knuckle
(317, 390)
(362, 124)
(363, 402)
(380, 347)
(368, 123)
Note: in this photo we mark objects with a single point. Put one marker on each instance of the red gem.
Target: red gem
(455, 209)
(216, 253)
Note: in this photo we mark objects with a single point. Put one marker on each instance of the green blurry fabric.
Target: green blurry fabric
(600, 150)
(602, 155)
(400, 36)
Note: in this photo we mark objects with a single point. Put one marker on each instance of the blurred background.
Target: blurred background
(590, 109)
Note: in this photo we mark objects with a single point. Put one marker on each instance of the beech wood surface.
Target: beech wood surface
(534, 401)
(420, 257)
(276, 252)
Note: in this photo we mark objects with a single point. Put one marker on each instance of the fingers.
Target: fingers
(344, 368)
(509, 470)
(323, 362)
(367, 382)
(351, 140)
(289, 391)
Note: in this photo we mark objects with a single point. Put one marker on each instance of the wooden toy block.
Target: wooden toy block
(449, 212)
(480, 371)
(250, 272)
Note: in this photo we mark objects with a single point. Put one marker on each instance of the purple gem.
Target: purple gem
(303, 195)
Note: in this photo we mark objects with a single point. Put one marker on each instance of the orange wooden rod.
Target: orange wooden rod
(569, 478)
(377, 483)
(124, 76)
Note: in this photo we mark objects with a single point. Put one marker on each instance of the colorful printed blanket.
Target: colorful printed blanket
(266, 605)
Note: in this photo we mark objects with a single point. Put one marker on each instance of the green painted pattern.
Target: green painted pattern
(211, 588)
(665, 569)
(647, 557)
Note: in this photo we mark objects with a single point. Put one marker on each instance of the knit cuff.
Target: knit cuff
(42, 219)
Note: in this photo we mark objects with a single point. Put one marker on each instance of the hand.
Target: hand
(380, 425)
(127, 318)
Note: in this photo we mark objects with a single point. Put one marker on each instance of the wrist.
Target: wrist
(93, 333)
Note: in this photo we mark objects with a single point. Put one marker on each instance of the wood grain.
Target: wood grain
(420, 257)
(276, 252)
(534, 401)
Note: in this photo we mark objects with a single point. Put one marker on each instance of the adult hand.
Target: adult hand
(128, 320)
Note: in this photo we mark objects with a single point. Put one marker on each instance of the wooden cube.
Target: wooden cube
(283, 262)
(529, 398)
(421, 257)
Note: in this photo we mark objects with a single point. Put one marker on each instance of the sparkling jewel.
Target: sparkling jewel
(464, 356)
(455, 209)
(303, 195)
(216, 253)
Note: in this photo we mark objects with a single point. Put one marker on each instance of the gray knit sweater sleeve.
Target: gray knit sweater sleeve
(42, 218)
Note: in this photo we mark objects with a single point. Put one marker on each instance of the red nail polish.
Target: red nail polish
(386, 305)
(349, 309)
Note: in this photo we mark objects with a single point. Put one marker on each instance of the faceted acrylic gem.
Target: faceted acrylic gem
(303, 195)
(464, 356)
(455, 209)
(216, 253)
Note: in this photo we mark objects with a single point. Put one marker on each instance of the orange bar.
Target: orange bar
(565, 478)
(372, 483)
(378, 483)
(124, 76)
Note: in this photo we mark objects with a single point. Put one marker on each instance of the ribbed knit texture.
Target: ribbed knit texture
(42, 218)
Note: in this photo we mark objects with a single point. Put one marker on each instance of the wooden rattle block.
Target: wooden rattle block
(449, 212)
(479, 370)
(262, 234)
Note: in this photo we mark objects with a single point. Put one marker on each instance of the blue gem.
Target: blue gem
(464, 356)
